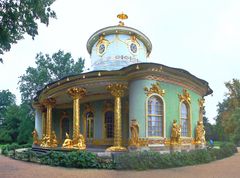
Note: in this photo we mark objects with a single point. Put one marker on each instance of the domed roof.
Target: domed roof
(119, 30)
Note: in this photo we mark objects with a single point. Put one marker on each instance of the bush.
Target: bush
(155, 160)
(6, 149)
(77, 159)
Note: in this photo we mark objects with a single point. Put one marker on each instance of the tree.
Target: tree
(26, 125)
(18, 17)
(229, 111)
(6, 99)
(17, 125)
(48, 69)
(9, 128)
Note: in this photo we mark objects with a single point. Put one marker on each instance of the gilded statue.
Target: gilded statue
(45, 141)
(200, 133)
(134, 128)
(79, 143)
(67, 142)
(176, 133)
(54, 142)
(35, 137)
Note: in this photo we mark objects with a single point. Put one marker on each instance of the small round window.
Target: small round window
(133, 48)
(101, 48)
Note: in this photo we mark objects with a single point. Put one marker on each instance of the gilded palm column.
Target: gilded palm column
(117, 90)
(49, 103)
(201, 108)
(76, 94)
(43, 109)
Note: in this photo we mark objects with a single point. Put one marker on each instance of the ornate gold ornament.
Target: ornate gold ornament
(117, 89)
(102, 46)
(122, 16)
(185, 96)
(201, 102)
(175, 134)
(200, 133)
(76, 93)
(155, 88)
(134, 128)
(133, 45)
(35, 137)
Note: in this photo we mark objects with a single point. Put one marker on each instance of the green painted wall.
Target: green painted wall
(137, 104)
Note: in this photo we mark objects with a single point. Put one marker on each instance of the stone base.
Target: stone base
(175, 148)
(135, 148)
(116, 149)
(200, 146)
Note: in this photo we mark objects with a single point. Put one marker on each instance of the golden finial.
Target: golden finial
(122, 16)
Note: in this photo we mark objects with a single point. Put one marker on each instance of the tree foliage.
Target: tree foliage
(17, 124)
(49, 69)
(6, 99)
(229, 111)
(18, 17)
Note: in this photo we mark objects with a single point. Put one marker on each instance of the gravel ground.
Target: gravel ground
(226, 168)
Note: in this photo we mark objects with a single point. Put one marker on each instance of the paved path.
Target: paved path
(226, 168)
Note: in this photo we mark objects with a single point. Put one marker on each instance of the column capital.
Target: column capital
(76, 93)
(49, 102)
(117, 89)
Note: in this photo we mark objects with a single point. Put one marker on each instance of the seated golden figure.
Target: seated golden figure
(54, 142)
(200, 133)
(45, 141)
(134, 128)
(79, 143)
(67, 142)
(35, 137)
(176, 133)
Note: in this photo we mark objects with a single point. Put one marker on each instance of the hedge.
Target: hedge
(155, 160)
(130, 160)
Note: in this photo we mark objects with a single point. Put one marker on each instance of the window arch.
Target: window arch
(155, 116)
(185, 119)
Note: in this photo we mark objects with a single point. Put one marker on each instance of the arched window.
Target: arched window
(184, 119)
(90, 124)
(155, 116)
(109, 124)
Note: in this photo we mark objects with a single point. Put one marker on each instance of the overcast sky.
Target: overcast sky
(202, 37)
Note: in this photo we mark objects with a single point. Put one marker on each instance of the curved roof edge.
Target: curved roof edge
(203, 82)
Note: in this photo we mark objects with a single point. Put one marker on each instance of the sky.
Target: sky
(202, 37)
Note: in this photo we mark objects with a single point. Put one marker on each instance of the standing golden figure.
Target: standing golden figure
(176, 134)
(35, 137)
(200, 133)
(134, 128)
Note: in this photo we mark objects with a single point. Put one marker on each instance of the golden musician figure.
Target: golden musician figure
(176, 133)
